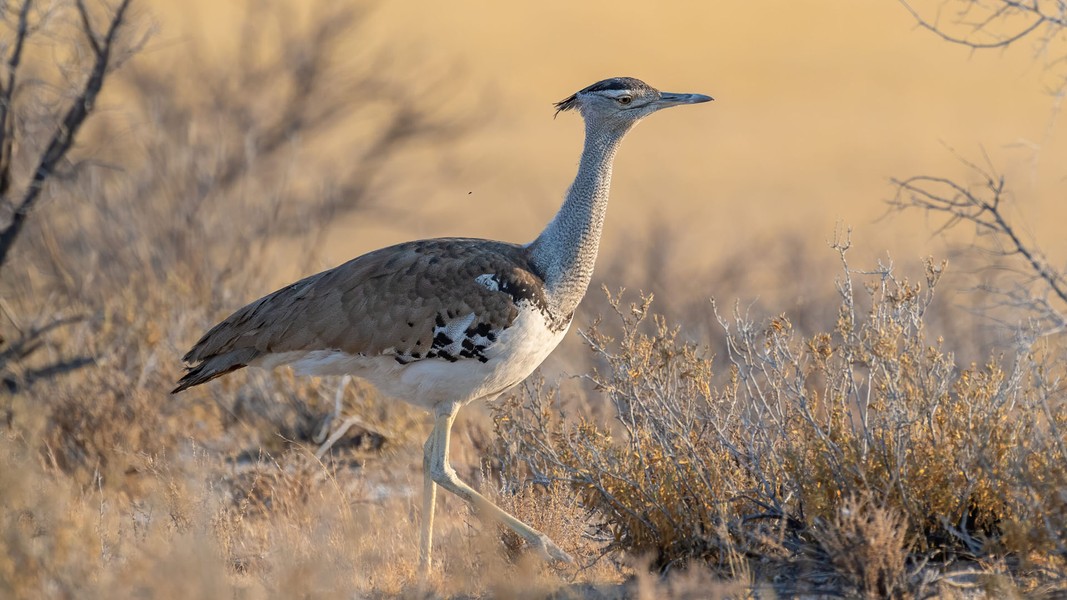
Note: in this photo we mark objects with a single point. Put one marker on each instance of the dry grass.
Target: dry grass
(849, 457)
(868, 546)
(860, 458)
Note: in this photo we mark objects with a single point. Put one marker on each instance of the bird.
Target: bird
(440, 323)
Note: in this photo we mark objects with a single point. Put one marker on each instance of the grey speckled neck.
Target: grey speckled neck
(566, 250)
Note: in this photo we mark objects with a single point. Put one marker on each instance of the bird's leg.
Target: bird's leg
(338, 433)
(429, 497)
(324, 429)
(441, 471)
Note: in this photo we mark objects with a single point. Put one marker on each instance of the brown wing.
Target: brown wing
(386, 302)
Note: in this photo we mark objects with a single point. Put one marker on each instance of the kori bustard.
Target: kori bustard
(443, 322)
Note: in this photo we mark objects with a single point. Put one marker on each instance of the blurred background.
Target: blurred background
(817, 106)
(237, 146)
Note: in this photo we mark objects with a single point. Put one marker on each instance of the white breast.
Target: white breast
(517, 351)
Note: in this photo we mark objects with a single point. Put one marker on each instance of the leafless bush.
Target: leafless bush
(1029, 288)
(19, 191)
(41, 114)
(720, 470)
(996, 24)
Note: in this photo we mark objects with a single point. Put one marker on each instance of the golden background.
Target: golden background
(817, 105)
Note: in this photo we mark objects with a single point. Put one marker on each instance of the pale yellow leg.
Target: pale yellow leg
(439, 470)
(429, 497)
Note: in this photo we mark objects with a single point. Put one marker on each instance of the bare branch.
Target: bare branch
(1006, 10)
(983, 208)
(998, 24)
(87, 26)
(7, 119)
(63, 138)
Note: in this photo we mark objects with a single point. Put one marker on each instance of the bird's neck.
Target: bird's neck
(566, 250)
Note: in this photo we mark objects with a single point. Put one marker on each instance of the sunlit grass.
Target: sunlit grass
(870, 439)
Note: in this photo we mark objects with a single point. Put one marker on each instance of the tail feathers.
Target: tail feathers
(214, 366)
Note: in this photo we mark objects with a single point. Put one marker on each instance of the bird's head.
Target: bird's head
(623, 101)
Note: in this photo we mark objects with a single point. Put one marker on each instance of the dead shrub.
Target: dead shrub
(764, 458)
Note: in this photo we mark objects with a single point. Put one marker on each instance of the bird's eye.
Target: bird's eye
(625, 99)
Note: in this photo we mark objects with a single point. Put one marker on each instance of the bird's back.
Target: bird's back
(444, 310)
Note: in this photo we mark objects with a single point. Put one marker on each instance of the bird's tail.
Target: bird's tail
(211, 367)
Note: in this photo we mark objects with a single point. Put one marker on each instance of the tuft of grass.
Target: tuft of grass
(868, 547)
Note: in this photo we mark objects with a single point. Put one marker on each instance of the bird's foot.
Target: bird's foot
(549, 551)
(336, 435)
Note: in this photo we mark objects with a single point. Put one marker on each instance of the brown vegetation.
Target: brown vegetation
(852, 455)
(861, 456)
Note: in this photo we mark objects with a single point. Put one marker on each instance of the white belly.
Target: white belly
(518, 350)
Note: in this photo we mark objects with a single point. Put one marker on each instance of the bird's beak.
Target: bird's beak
(671, 99)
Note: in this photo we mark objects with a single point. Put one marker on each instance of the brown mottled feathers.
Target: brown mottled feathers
(386, 302)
